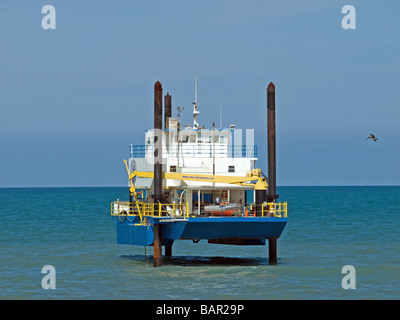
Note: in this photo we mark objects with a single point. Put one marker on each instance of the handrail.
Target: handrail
(181, 210)
(272, 209)
(206, 150)
(142, 209)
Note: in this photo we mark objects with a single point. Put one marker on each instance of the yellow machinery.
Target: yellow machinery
(253, 175)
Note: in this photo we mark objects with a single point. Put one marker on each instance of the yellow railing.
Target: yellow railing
(142, 209)
(272, 209)
(128, 209)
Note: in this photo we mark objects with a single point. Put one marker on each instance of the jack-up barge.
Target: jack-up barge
(197, 183)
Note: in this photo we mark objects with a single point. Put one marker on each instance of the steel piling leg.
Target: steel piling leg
(168, 250)
(157, 246)
(272, 246)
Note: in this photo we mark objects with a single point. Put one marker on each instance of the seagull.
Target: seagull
(371, 136)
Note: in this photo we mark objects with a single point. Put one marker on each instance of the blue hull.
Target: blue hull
(130, 232)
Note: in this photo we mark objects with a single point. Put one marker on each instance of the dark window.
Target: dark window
(172, 169)
(231, 169)
(185, 138)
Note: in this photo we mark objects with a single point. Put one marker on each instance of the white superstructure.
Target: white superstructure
(197, 150)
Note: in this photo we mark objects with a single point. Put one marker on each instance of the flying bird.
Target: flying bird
(371, 136)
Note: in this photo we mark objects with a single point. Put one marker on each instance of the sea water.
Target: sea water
(328, 228)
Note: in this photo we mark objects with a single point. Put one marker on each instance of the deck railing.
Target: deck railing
(197, 150)
(272, 209)
(129, 210)
(126, 210)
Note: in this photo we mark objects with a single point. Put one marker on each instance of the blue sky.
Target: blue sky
(73, 99)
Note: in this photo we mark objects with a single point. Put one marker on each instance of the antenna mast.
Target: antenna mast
(195, 112)
(220, 114)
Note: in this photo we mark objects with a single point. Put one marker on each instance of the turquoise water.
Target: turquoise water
(329, 227)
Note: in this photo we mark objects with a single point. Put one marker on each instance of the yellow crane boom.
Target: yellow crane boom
(254, 175)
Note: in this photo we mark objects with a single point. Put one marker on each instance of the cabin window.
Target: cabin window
(231, 169)
(222, 139)
(182, 138)
(172, 169)
(208, 139)
(199, 137)
(185, 138)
